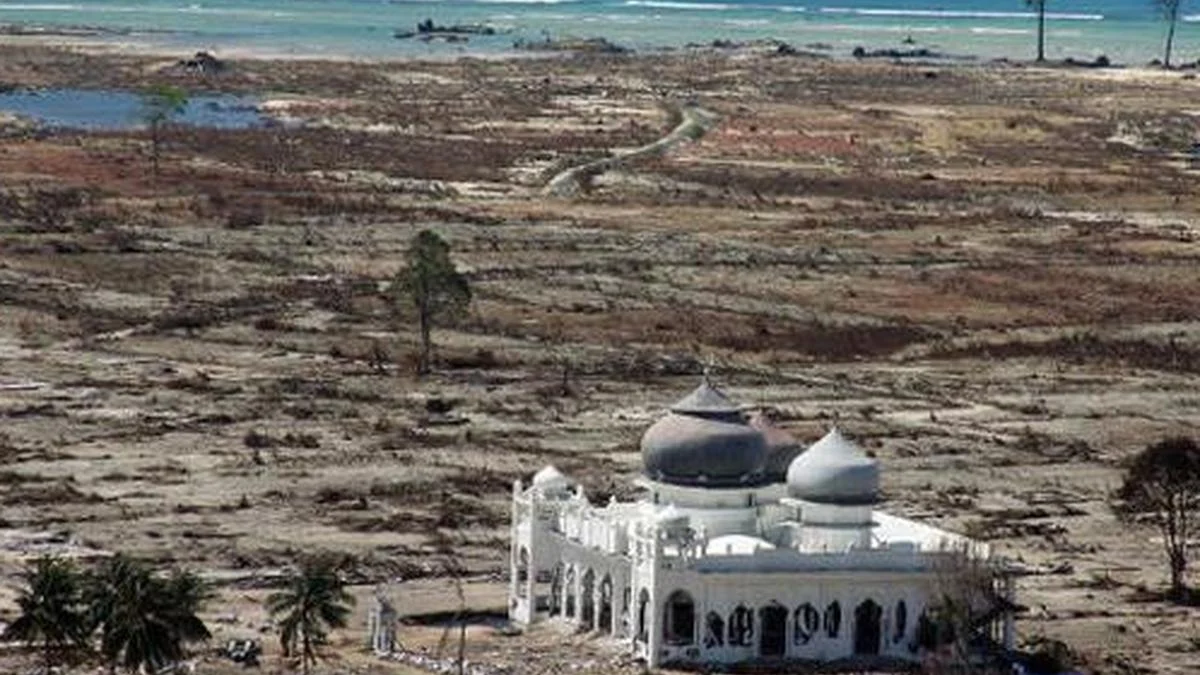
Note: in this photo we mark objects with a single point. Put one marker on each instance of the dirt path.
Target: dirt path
(695, 122)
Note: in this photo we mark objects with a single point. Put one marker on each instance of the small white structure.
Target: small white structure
(742, 548)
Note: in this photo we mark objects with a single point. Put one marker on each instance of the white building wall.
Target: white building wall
(723, 594)
(802, 562)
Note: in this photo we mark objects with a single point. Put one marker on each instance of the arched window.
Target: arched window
(900, 625)
(679, 619)
(741, 627)
(714, 633)
(587, 598)
(606, 604)
(868, 628)
(772, 641)
(833, 619)
(808, 622)
(927, 633)
(643, 630)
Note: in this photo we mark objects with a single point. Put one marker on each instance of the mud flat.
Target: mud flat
(985, 274)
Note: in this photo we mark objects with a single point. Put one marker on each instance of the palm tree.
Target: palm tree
(1170, 12)
(1040, 7)
(51, 608)
(184, 595)
(144, 620)
(313, 602)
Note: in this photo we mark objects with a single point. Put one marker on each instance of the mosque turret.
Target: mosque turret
(836, 485)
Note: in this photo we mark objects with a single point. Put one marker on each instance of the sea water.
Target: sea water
(1127, 31)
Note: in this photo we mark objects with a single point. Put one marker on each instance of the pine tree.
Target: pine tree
(432, 286)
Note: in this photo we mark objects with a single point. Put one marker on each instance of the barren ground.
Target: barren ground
(986, 275)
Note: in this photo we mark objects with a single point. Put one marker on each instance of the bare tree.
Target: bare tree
(454, 568)
(1162, 486)
(964, 604)
(1170, 11)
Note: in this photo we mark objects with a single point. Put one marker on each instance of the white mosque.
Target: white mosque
(744, 547)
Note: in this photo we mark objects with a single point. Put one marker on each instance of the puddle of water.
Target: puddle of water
(105, 110)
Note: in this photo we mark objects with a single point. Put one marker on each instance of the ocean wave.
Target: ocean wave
(523, 2)
(713, 6)
(40, 8)
(672, 4)
(957, 14)
(984, 30)
(136, 9)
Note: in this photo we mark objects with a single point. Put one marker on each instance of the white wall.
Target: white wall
(723, 594)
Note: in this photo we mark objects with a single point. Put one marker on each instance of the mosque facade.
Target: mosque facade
(743, 547)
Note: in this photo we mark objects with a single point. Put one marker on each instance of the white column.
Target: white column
(653, 632)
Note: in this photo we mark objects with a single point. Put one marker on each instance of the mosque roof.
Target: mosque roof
(705, 400)
(549, 479)
(736, 544)
(834, 471)
(782, 447)
(704, 440)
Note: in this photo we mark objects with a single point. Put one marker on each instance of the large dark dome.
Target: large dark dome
(704, 440)
(782, 447)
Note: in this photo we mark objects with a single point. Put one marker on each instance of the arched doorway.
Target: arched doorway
(900, 622)
(587, 599)
(606, 604)
(643, 610)
(867, 619)
(773, 638)
(572, 589)
(679, 619)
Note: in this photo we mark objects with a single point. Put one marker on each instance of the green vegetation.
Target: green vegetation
(144, 620)
(313, 602)
(52, 611)
(160, 105)
(433, 286)
(1162, 486)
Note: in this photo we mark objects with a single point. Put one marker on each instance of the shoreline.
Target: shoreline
(767, 47)
(901, 55)
(1129, 43)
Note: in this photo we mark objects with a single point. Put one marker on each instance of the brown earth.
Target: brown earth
(987, 275)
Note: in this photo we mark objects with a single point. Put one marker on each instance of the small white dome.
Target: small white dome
(736, 544)
(550, 479)
(834, 471)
